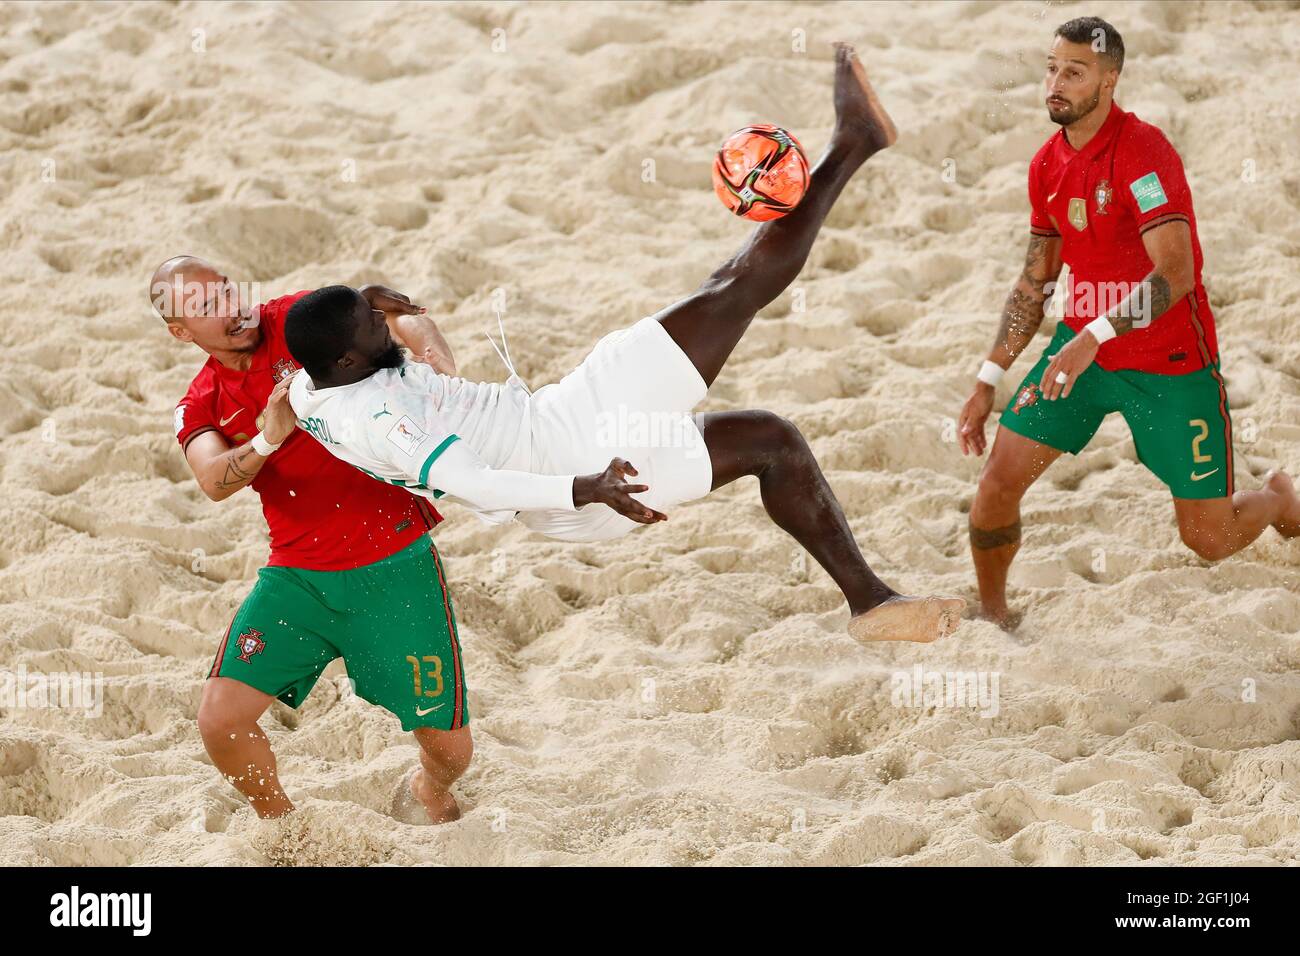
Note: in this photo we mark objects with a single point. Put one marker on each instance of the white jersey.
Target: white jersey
(436, 436)
(500, 451)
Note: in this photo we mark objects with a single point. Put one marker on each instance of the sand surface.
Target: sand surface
(688, 694)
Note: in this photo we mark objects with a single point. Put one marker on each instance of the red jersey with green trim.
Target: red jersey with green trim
(1100, 200)
(323, 515)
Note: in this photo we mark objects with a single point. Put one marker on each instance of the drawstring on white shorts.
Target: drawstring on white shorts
(505, 356)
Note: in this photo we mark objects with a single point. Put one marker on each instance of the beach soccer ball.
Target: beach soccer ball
(760, 172)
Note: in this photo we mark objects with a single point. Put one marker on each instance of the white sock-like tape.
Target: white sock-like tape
(991, 373)
(1101, 329)
(262, 446)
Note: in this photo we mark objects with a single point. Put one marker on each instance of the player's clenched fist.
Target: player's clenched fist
(609, 488)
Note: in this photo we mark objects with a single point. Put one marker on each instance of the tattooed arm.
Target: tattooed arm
(222, 470)
(1021, 316)
(1022, 313)
(1172, 276)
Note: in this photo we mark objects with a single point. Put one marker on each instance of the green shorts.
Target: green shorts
(391, 622)
(1181, 424)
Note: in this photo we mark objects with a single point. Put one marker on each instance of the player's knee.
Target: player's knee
(780, 443)
(997, 489)
(781, 433)
(216, 723)
(1206, 543)
(226, 710)
(446, 753)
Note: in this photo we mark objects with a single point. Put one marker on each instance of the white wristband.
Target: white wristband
(1101, 329)
(262, 446)
(991, 373)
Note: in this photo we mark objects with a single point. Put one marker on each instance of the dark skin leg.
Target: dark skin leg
(795, 494)
(798, 498)
(708, 324)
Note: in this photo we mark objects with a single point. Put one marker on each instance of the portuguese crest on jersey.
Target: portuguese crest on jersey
(1103, 194)
(282, 370)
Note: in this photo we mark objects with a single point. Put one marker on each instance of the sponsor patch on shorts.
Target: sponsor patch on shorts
(1148, 192)
(407, 435)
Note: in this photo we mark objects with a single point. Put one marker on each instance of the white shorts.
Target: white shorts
(631, 398)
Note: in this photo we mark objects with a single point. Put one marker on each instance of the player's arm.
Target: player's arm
(1172, 276)
(412, 327)
(454, 469)
(1022, 315)
(222, 470)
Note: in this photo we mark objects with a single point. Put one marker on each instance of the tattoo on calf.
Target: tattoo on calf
(986, 539)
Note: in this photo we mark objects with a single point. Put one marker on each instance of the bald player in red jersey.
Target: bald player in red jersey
(341, 546)
(1108, 197)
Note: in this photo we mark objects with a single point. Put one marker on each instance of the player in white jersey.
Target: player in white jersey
(557, 459)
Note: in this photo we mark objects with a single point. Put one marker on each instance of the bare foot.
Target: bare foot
(417, 801)
(1003, 617)
(438, 803)
(1280, 483)
(904, 618)
(859, 114)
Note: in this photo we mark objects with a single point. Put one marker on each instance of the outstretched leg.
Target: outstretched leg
(1217, 528)
(709, 323)
(799, 500)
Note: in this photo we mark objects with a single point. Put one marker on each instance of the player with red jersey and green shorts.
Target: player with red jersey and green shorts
(352, 571)
(1108, 197)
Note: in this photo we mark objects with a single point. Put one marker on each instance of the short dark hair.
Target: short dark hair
(1103, 37)
(320, 327)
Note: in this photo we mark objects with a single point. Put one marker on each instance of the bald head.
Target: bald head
(202, 306)
(177, 280)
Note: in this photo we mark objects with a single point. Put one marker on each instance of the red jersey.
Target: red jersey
(323, 515)
(1100, 200)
